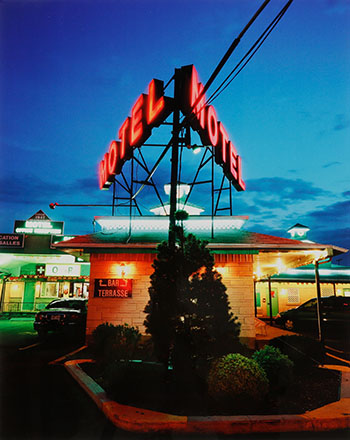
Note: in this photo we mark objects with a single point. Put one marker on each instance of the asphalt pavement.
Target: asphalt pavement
(41, 401)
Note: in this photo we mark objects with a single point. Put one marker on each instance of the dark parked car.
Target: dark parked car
(62, 315)
(335, 315)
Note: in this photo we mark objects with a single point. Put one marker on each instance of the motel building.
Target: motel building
(33, 272)
(121, 254)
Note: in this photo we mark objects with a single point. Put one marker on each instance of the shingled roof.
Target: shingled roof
(239, 239)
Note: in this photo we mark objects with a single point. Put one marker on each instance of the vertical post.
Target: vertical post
(212, 193)
(319, 306)
(174, 159)
(270, 299)
(113, 204)
(3, 292)
(255, 307)
(334, 290)
(131, 192)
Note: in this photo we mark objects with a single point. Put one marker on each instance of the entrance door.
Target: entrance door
(274, 298)
(28, 296)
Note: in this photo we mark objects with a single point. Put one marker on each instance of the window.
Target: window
(346, 292)
(258, 299)
(310, 304)
(50, 289)
(293, 295)
(327, 290)
(15, 289)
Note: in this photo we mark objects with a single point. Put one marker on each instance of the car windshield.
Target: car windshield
(76, 305)
(309, 304)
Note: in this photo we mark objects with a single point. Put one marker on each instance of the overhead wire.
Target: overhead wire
(255, 47)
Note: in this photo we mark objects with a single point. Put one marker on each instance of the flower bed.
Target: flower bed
(143, 384)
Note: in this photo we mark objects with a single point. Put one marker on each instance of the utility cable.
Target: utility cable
(256, 46)
(229, 53)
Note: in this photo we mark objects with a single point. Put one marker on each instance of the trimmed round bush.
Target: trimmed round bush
(114, 342)
(236, 379)
(277, 366)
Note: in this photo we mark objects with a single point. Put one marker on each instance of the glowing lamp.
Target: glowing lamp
(221, 269)
(122, 270)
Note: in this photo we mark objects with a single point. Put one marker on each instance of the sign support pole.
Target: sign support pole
(319, 306)
(174, 159)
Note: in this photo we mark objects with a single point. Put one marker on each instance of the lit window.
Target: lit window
(50, 290)
(293, 296)
(327, 290)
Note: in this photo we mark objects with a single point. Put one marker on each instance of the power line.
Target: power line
(255, 47)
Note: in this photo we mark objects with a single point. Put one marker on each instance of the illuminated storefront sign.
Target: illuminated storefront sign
(39, 223)
(11, 240)
(152, 109)
(38, 227)
(113, 288)
(62, 270)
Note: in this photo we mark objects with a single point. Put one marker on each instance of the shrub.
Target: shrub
(188, 314)
(236, 380)
(304, 352)
(277, 366)
(112, 343)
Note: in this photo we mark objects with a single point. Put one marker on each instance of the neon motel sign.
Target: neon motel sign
(151, 109)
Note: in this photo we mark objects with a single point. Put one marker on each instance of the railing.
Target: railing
(19, 306)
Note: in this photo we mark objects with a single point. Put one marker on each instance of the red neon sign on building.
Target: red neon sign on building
(148, 112)
(152, 109)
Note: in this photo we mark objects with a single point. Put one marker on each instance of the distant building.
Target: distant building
(32, 272)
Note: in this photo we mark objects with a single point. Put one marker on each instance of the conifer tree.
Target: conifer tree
(188, 314)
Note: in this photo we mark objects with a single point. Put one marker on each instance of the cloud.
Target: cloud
(327, 224)
(30, 189)
(334, 213)
(331, 164)
(341, 122)
(285, 189)
(337, 237)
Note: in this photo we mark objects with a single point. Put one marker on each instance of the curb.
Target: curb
(334, 416)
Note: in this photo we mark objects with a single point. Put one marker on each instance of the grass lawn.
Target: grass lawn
(144, 385)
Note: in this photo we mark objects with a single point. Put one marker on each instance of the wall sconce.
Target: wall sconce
(123, 270)
(221, 269)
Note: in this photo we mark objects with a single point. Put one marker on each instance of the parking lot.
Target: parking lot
(40, 400)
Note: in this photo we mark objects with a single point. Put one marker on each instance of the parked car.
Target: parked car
(62, 315)
(335, 315)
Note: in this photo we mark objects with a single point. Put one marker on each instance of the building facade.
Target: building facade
(121, 257)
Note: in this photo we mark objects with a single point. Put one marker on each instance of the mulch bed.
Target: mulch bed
(143, 385)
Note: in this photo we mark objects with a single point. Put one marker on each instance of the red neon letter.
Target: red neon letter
(123, 130)
(103, 173)
(195, 90)
(224, 140)
(136, 129)
(212, 124)
(112, 157)
(233, 160)
(239, 169)
(155, 106)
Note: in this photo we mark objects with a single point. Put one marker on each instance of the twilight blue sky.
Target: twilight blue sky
(72, 70)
